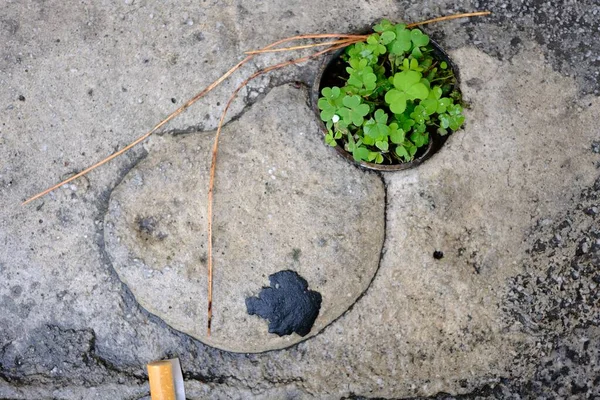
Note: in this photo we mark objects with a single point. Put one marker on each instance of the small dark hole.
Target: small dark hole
(21, 98)
(173, 100)
(438, 255)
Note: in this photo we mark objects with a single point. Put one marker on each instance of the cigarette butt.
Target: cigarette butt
(166, 380)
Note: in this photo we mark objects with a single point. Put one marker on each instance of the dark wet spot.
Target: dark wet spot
(146, 225)
(475, 83)
(296, 253)
(438, 255)
(90, 92)
(288, 304)
(539, 246)
(10, 25)
(148, 228)
(16, 291)
(515, 41)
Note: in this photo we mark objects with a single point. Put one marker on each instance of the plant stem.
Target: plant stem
(349, 40)
(430, 67)
(441, 78)
(449, 17)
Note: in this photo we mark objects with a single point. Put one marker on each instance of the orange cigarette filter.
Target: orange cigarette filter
(166, 380)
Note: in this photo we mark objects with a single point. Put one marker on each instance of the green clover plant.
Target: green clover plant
(396, 93)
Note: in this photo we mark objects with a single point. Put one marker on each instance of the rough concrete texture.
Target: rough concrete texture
(277, 206)
(511, 310)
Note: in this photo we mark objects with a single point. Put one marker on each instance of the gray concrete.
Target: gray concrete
(510, 311)
(282, 201)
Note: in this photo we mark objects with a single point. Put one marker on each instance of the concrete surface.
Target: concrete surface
(277, 206)
(510, 311)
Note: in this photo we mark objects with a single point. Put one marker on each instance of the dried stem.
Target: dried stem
(211, 183)
(309, 46)
(180, 110)
(449, 17)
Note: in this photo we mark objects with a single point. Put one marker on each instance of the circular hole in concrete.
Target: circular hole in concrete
(332, 72)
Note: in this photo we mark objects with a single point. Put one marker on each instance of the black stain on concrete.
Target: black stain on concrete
(288, 304)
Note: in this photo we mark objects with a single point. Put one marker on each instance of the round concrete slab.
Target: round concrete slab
(283, 201)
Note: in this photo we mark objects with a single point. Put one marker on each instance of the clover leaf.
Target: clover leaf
(375, 157)
(387, 37)
(377, 129)
(366, 51)
(354, 111)
(443, 104)
(408, 86)
(375, 46)
(396, 134)
(331, 94)
(331, 137)
(453, 119)
(453, 122)
(361, 76)
(383, 26)
(416, 53)
(419, 38)
(419, 139)
(406, 150)
(429, 105)
(419, 114)
(402, 152)
(363, 79)
(330, 102)
(403, 41)
(411, 64)
(360, 153)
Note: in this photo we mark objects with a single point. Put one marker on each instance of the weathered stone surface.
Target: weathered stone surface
(427, 325)
(283, 200)
(79, 79)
